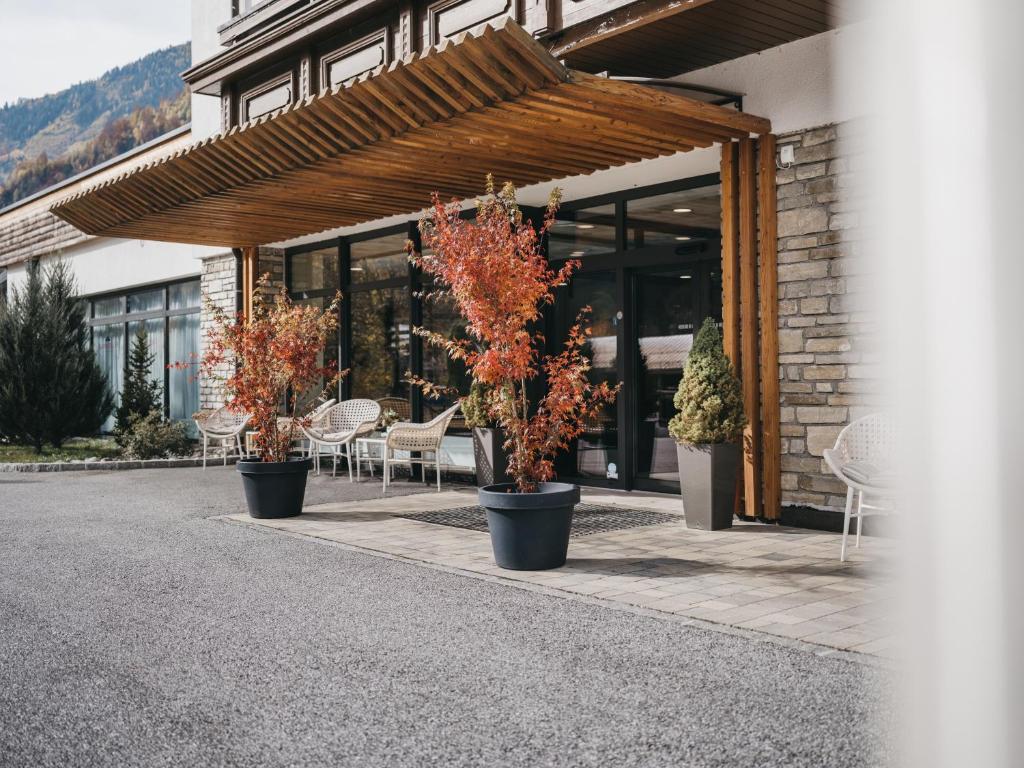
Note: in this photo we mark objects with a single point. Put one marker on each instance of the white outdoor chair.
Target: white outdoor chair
(223, 426)
(863, 458)
(338, 427)
(417, 438)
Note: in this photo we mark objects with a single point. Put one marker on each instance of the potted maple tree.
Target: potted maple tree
(489, 454)
(274, 356)
(707, 429)
(494, 269)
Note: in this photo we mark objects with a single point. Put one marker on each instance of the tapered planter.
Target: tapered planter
(530, 531)
(490, 457)
(274, 488)
(707, 478)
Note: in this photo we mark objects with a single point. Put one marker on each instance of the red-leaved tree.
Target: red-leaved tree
(275, 356)
(494, 269)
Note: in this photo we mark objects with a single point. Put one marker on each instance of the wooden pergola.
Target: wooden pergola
(493, 102)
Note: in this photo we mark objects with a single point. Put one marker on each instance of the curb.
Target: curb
(107, 466)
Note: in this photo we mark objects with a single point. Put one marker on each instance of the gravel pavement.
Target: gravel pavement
(136, 631)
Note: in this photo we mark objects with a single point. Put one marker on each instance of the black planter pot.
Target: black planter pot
(490, 457)
(707, 478)
(530, 531)
(274, 488)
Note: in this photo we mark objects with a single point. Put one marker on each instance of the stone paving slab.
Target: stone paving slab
(786, 582)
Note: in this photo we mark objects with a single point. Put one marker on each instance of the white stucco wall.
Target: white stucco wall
(107, 264)
(207, 16)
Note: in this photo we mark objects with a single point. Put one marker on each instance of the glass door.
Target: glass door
(593, 457)
(666, 302)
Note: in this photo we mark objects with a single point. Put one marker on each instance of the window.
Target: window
(382, 258)
(169, 315)
(3, 284)
(582, 233)
(355, 59)
(314, 272)
(674, 218)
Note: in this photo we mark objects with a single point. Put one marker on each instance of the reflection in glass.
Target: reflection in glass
(146, 301)
(582, 233)
(184, 295)
(108, 344)
(183, 383)
(441, 316)
(155, 339)
(380, 343)
(107, 307)
(597, 449)
(381, 258)
(314, 271)
(690, 215)
(328, 356)
(665, 325)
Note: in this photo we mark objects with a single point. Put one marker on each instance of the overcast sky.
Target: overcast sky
(47, 45)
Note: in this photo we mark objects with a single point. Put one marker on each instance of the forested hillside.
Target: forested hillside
(47, 139)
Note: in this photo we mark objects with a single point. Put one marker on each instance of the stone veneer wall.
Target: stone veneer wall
(219, 282)
(826, 365)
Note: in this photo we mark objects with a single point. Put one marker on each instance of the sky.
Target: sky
(47, 45)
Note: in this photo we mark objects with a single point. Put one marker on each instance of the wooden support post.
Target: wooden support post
(768, 291)
(749, 364)
(250, 267)
(730, 254)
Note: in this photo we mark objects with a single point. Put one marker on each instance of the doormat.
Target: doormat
(587, 520)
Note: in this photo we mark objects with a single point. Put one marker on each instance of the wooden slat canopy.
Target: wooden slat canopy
(494, 102)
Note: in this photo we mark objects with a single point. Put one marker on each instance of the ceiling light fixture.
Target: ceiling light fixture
(574, 254)
(584, 226)
(682, 210)
(682, 237)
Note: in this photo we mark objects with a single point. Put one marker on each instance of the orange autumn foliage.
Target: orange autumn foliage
(276, 359)
(494, 269)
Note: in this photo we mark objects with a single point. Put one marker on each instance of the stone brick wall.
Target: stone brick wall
(218, 281)
(826, 364)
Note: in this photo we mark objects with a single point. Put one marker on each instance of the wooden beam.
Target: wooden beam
(768, 292)
(250, 270)
(730, 254)
(633, 16)
(749, 364)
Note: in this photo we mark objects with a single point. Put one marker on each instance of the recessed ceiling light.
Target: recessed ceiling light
(682, 210)
(584, 226)
(682, 237)
(356, 269)
(577, 253)
(685, 277)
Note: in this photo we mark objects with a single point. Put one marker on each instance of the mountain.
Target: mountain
(61, 124)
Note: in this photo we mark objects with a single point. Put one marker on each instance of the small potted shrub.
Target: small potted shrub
(275, 358)
(494, 270)
(708, 429)
(489, 454)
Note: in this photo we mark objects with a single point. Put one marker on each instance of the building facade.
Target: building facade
(651, 227)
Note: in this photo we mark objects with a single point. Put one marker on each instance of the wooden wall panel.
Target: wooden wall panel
(749, 363)
(768, 291)
(250, 270)
(730, 253)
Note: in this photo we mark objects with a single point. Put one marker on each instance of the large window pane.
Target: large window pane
(155, 338)
(328, 356)
(146, 301)
(582, 233)
(314, 271)
(441, 316)
(108, 344)
(107, 307)
(184, 295)
(687, 215)
(382, 258)
(183, 389)
(380, 343)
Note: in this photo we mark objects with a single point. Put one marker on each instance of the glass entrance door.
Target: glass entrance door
(666, 309)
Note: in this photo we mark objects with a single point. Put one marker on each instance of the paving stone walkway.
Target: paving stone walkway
(786, 582)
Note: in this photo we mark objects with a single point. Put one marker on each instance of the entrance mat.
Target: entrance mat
(588, 519)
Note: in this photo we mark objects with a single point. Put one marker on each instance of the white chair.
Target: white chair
(417, 438)
(338, 427)
(863, 458)
(222, 426)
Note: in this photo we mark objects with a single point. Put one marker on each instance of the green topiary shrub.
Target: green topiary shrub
(150, 437)
(141, 393)
(709, 398)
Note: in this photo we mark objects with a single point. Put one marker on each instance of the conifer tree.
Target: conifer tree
(141, 394)
(51, 387)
